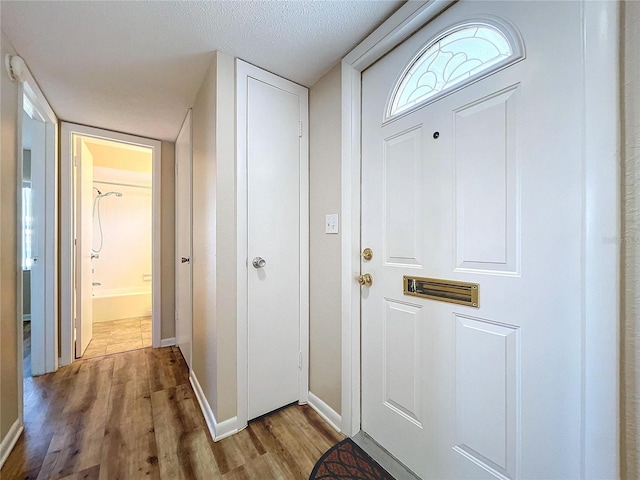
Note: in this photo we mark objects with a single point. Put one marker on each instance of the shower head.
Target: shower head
(117, 194)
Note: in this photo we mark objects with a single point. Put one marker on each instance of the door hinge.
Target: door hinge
(75, 161)
(300, 360)
(299, 129)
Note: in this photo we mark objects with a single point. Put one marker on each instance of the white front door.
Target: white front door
(84, 239)
(183, 241)
(482, 185)
(275, 110)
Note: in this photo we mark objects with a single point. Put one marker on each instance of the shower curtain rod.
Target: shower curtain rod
(122, 184)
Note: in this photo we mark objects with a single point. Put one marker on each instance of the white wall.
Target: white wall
(214, 238)
(325, 324)
(124, 264)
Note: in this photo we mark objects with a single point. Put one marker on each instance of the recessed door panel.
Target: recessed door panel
(487, 399)
(402, 359)
(485, 160)
(402, 197)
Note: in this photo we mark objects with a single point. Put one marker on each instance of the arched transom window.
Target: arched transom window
(456, 57)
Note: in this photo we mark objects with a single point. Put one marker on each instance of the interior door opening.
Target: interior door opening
(110, 240)
(113, 232)
(33, 280)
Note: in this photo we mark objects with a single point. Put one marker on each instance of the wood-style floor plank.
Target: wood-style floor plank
(134, 415)
(183, 447)
(129, 448)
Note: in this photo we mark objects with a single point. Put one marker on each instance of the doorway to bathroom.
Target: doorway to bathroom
(113, 226)
(118, 208)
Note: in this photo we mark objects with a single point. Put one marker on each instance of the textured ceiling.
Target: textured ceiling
(136, 66)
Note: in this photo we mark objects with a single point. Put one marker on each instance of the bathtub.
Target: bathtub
(118, 304)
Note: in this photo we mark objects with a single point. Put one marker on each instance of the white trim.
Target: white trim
(243, 71)
(40, 105)
(327, 413)
(218, 430)
(30, 95)
(242, 350)
(601, 197)
(26, 317)
(600, 375)
(409, 18)
(19, 253)
(303, 379)
(67, 353)
(168, 342)
(10, 440)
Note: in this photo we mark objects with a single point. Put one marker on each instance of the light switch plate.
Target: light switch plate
(331, 223)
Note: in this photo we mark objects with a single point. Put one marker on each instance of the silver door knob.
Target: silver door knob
(185, 260)
(258, 262)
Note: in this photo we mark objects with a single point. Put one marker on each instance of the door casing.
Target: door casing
(69, 131)
(31, 97)
(600, 218)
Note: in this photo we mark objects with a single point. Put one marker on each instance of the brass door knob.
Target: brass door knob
(366, 280)
(367, 254)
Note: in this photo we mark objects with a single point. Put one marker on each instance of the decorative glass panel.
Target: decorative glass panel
(461, 54)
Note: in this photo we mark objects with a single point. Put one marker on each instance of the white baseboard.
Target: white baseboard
(218, 430)
(168, 342)
(26, 317)
(10, 440)
(327, 413)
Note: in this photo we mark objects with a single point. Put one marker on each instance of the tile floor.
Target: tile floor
(117, 336)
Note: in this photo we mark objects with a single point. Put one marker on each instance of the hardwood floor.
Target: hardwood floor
(134, 415)
(26, 352)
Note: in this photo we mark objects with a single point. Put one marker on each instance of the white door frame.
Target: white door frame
(243, 72)
(601, 222)
(67, 354)
(31, 97)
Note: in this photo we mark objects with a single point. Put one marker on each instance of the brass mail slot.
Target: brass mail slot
(462, 293)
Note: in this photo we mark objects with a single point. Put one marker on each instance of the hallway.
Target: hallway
(134, 415)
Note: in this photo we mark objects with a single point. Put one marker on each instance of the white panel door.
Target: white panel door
(84, 238)
(184, 304)
(273, 238)
(483, 185)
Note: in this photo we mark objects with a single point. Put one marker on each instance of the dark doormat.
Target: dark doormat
(348, 461)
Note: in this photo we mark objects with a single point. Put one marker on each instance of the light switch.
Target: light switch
(331, 223)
